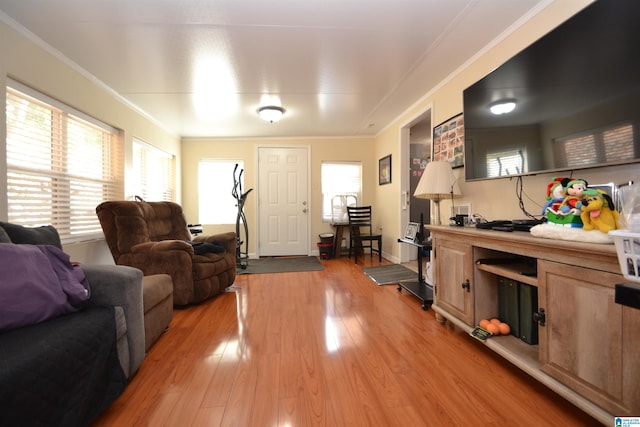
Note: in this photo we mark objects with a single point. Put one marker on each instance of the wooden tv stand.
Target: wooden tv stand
(588, 344)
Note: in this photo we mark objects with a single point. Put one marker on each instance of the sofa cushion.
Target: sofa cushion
(38, 283)
(155, 289)
(62, 372)
(44, 235)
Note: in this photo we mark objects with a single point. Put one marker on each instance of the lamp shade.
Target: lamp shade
(437, 182)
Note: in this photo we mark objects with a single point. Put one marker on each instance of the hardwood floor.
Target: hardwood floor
(327, 348)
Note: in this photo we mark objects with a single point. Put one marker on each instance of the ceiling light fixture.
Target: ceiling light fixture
(271, 113)
(503, 106)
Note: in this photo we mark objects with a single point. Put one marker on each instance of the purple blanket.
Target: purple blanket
(38, 282)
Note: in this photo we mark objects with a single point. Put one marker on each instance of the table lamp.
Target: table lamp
(437, 182)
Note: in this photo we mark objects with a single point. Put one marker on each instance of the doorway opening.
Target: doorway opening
(416, 148)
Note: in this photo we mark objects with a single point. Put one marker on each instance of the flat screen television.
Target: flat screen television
(577, 97)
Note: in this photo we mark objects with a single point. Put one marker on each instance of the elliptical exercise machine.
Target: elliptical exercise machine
(241, 256)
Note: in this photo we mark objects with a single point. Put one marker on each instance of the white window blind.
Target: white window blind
(60, 165)
(608, 144)
(216, 204)
(341, 183)
(505, 163)
(153, 173)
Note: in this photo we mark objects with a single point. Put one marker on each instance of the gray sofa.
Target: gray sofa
(121, 287)
(66, 369)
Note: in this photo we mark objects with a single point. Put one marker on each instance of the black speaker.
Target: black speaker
(628, 295)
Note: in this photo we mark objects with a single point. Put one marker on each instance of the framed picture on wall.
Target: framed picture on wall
(384, 170)
(448, 141)
(411, 232)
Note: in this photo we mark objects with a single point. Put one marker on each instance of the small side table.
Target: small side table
(420, 289)
(337, 242)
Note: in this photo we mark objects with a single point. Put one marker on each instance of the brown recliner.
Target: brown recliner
(153, 236)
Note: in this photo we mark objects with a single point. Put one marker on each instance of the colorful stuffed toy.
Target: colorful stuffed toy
(598, 212)
(573, 190)
(555, 195)
(557, 209)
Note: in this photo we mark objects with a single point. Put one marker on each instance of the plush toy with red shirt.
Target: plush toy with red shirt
(562, 208)
(574, 193)
(555, 196)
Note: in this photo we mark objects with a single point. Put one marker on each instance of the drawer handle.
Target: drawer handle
(540, 316)
(466, 285)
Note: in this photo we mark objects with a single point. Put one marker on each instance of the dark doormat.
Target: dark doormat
(390, 274)
(281, 265)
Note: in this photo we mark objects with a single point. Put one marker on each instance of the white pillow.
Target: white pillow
(558, 232)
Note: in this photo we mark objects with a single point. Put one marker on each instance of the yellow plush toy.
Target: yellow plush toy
(598, 211)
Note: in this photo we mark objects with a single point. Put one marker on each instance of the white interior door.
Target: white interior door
(283, 208)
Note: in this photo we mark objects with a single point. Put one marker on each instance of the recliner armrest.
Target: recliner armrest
(227, 239)
(118, 285)
(163, 245)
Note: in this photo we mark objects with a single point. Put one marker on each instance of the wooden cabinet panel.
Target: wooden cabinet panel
(583, 341)
(631, 359)
(454, 268)
(588, 348)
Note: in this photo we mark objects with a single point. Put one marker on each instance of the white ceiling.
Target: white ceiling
(338, 67)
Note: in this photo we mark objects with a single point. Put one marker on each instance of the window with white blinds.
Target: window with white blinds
(60, 165)
(216, 180)
(505, 163)
(608, 144)
(153, 173)
(340, 181)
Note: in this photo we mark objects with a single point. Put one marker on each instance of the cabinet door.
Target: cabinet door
(454, 279)
(587, 339)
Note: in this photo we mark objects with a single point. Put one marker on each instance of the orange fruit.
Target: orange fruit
(483, 323)
(495, 321)
(493, 328)
(504, 329)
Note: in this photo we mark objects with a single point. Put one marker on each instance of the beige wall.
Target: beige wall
(387, 197)
(321, 149)
(32, 65)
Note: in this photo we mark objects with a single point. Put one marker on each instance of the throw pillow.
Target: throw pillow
(4, 237)
(38, 282)
(44, 235)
